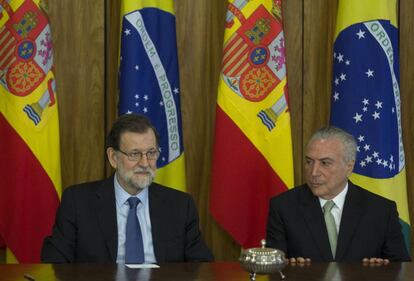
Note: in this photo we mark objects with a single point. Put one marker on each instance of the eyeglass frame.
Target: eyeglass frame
(141, 154)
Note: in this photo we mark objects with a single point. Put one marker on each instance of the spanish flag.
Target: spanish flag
(149, 80)
(252, 158)
(30, 180)
(366, 97)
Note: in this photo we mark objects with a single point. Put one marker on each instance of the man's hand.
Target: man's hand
(299, 260)
(375, 261)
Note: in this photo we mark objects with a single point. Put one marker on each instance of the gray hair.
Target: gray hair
(348, 141)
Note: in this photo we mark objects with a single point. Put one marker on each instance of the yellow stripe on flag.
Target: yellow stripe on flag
(36, 136)
(243, 113)
(130, 6)
(367, 10)
(173, 175)
(391, 188)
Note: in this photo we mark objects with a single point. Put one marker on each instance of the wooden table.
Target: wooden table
(218, 271)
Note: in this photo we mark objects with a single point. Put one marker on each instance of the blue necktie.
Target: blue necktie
(134, 248)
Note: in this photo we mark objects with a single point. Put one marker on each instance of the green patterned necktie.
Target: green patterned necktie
(330, 225)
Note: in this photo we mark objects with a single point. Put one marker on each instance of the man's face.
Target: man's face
(134, 175)
(326, 170)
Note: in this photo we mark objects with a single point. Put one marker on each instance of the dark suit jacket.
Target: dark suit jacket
(86, 226)
(369, 227)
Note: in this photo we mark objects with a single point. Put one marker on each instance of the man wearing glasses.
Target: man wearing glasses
(126, 218)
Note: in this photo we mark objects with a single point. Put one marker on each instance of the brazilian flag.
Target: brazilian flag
(366, 97)
(149, 80)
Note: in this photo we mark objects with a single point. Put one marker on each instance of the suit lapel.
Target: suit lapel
(105, 206)
(312, 213)
(351, 215)
(158, 223)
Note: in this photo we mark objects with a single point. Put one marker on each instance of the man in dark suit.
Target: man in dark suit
(329, 218)
(92, 220)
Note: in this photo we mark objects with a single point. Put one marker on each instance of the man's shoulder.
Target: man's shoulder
(293, 194)
(87, 187)
(170, 199)
(164, 191)
(369, 196)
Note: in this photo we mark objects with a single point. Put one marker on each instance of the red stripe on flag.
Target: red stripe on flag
(234, 46)
(235, 58)
(242, 184)
(28, 199)
(7, 46)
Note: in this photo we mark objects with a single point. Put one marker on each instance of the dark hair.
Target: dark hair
(134, 123)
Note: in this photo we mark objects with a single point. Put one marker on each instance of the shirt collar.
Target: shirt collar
(121, 196)
(339, 199)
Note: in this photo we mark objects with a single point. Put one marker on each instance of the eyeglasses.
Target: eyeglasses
(137, 155)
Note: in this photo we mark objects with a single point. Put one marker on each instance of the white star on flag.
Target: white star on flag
(361, 34)
(376, 115)
(378, 104)
(358, 117)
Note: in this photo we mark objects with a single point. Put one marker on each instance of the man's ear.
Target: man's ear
(350, 168)
(111, 154)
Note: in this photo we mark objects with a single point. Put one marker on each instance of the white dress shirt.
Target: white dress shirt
(122, 209)
(337, 209)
